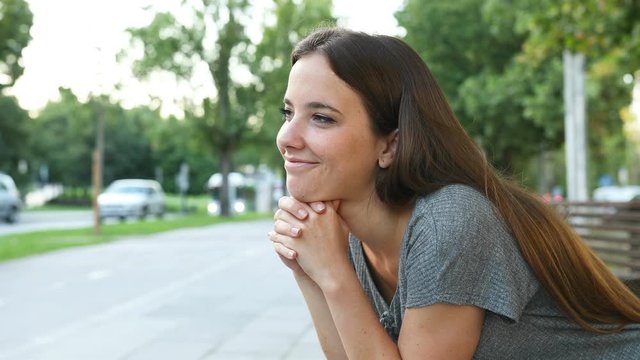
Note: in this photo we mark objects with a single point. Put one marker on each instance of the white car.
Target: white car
(10, 202)
(132, 198)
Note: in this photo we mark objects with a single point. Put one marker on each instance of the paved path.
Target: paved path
(217, 292)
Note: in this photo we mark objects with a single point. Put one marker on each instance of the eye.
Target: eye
(322, 119)
(286, 114)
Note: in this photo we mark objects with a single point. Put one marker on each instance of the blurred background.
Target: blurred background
(153, 122)
(177, 91)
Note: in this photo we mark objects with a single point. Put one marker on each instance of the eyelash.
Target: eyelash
(287, 114)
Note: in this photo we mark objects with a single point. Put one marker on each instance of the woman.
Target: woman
(405, 242)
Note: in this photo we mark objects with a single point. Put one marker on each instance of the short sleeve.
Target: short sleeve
(459, 251)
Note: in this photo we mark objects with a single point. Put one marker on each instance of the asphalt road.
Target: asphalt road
(217, 292)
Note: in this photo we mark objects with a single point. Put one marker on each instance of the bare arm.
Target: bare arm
(339, 305)
(322, 320)
(313, 296)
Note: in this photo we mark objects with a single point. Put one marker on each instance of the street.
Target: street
(217, 292)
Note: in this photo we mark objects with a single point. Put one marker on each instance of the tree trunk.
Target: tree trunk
(225, 167)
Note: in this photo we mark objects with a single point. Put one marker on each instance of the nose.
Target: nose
(290, 135)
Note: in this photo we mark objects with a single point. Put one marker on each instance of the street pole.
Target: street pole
(98, 152)
(574, 126)
(97, 167)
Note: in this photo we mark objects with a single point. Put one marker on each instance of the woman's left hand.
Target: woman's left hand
(318, 240)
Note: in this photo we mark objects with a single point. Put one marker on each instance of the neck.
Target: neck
(377, 225)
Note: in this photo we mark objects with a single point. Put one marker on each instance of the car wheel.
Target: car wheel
(143, 213)
(122, 218)
(12, 217)
(160, 213)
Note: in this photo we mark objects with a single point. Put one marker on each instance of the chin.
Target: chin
(303, 192)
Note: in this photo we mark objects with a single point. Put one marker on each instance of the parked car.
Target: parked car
(10, 203)
(132, 198)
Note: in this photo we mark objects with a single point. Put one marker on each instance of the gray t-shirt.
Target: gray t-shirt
(456, 250)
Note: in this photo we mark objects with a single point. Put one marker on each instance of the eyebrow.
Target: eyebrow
(316, 105)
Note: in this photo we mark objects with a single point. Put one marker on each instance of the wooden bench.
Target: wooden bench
(612, 230)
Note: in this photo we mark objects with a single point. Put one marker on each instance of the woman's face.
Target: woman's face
(329, 148)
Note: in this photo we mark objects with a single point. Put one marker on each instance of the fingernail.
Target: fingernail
(302, 213)
(292, 254)
(295, 231)
(318, 207)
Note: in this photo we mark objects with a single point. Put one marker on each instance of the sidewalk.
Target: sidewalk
(211, 293)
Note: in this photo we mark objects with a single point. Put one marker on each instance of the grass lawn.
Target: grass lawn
(21, 245)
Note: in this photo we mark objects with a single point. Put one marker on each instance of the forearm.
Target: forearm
(322, 319)
(361, 333)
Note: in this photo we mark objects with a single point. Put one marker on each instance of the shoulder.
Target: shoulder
(459, 250)
(454, 199)
(456, 208)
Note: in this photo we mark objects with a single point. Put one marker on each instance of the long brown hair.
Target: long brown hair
(399, 92)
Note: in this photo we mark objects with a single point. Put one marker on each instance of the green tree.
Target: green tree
(64, 136)
(15, 25)
(172, 144)
(606, 32)
(13, 134)
(213, 36)
(472, 47)
(502, 70)
(270, 62)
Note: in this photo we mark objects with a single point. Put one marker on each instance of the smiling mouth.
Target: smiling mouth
(293, 165)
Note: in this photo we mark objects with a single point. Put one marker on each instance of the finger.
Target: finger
(284, 251)
(285, 216)
(285, 228)
(282, 239)
(318, 206)
(293, 206)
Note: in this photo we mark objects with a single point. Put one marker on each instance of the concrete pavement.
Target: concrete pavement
(217, 292)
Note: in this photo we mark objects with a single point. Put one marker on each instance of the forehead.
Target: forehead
(312, 79)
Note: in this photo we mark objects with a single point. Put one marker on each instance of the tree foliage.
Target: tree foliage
(213, 36)
(271, 62)
(502, 69)
(608, 33)
(14, 134)
(136, 141)
(15, 23)
(472, 47)
(234, 121)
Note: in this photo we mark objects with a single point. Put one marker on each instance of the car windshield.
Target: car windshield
(127, 189)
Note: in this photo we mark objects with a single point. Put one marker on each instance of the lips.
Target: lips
(295, 164)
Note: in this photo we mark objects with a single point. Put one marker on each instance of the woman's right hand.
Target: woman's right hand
(295, 212)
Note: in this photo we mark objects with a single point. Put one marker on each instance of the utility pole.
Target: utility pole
(98, 152)
(575, 125)
(97, 167)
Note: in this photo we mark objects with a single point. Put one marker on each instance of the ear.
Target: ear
(388, 153)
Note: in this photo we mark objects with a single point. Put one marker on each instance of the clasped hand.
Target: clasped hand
(311, 239)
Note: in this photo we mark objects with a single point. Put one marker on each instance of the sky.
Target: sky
(74, 45)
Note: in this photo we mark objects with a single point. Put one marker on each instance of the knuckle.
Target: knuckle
(283, 201)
